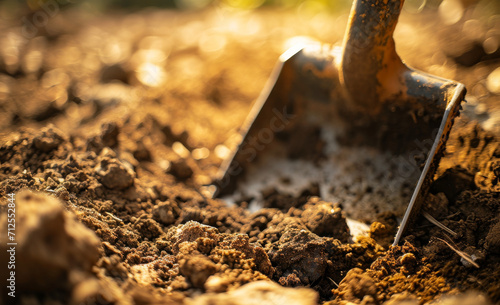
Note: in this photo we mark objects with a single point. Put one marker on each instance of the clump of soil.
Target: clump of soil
(55, 250)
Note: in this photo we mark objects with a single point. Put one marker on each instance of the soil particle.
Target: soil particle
(142, 152)
(279, 225)
(114, 267)
(216, 262)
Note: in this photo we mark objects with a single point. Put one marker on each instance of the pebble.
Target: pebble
(114, 174)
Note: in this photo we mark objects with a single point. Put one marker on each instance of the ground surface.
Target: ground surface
(117, 121)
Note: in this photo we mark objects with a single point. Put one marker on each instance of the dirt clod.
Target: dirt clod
(114, 174)
(325, 219)
(54, 251)
(197, 269)
(493, 239)
(301, 253)
(49, 139)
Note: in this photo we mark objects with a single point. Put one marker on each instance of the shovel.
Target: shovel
(354, 120)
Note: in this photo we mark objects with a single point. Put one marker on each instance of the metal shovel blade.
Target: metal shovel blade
(353, 119)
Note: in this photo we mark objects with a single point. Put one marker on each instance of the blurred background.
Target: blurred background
(79, 63)
(11, 7)
(237, 4)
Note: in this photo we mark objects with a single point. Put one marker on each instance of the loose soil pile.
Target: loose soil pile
(113, 124)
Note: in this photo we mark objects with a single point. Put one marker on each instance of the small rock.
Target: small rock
(408, 260)
(190, 232)
(301, 252)
(49, 139)
(166, 212)
(326, 219)
(378, 228)
(114, 175)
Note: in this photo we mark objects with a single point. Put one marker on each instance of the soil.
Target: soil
(109, 165)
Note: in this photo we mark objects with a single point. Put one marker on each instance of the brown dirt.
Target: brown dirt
(108, 176)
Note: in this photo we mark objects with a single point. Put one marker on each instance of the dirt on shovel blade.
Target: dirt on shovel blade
(113, 123)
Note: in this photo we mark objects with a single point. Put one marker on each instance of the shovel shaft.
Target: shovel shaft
(370, 66)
